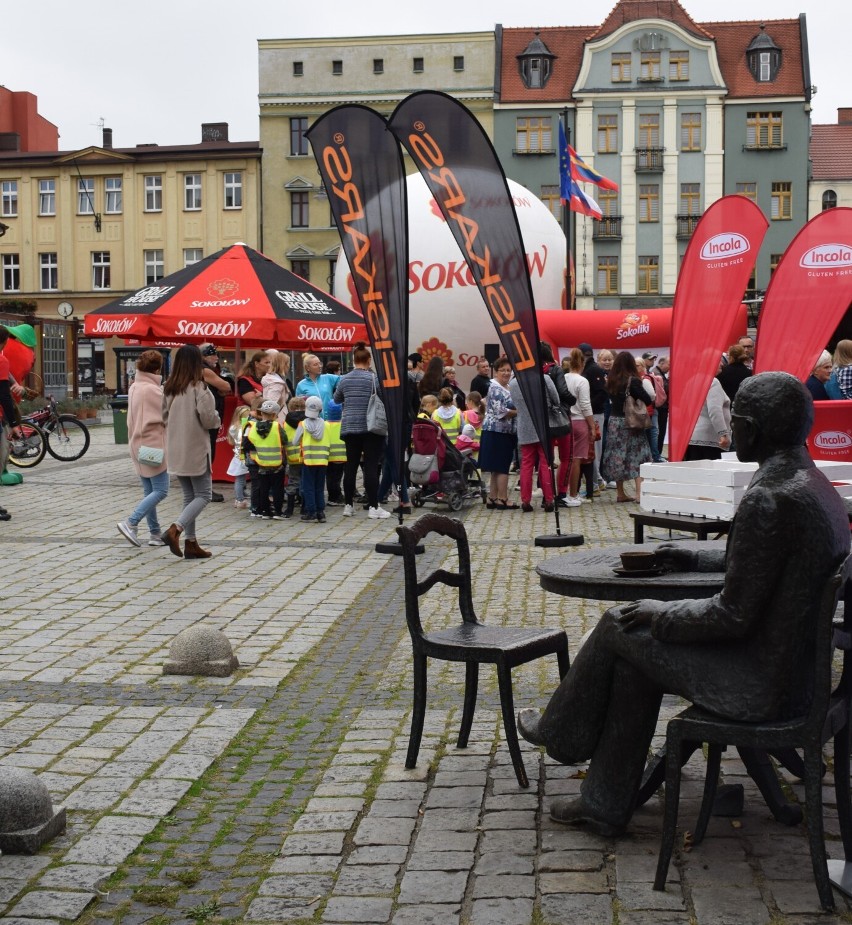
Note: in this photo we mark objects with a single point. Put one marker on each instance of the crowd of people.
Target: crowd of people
(308, 445)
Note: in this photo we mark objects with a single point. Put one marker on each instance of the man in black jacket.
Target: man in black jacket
(598, 396)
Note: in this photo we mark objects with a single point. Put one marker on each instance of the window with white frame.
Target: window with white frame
(233, 191)
(47, 197)
(85, 195)
(11, 272)
(49, 271)
(154, 193)
(192, 192)
(153, 260)
(192, 255)
(112, 194)
(100, 270)
(9, 198)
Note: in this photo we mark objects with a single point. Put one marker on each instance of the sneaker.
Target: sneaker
(156, 540)
(241, 505)
(610, 485)
(602, 485)
(128, 531)
(348, 510)
(321, 517)
(217, 497)
(378, 513)
(306, 516)
(334, 502)
(562, 501)
(547, 506)
(571, 502)
(526, 508)
(255, 514)
(278, 516)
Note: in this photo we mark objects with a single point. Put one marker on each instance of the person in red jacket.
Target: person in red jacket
(10, 412)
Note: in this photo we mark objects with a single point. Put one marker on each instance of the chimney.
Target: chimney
(107, 138)
(844, 116)
(214, 131)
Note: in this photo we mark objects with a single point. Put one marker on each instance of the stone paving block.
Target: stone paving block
(367, 880)
(556, 861)
(22, 867)
(352, 909)
(716, 906)
(124, 825)
(566, 837)
(142, 806)
(501, 912)
(58, 904)
(509, 820)
(394, 809)
(497, 886)
(76, 876)
(378, 854)
(279, 910)
(9, 889)
(640, 866)
(102, 849)
(325, 822)
(445, 860)
(334, 805)
(571, 908)
(384, 831)
(408, 790)
(426, 914)
(305, 864)
(425, 886)
(643, 896)
(574, 881)
(519, 842)
(455, 798)
(449, 820)
(187, 767)
(798, 896)
(297, 886)
(436, 840)
(319, 843)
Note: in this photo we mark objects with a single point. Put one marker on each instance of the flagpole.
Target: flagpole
(566, 226)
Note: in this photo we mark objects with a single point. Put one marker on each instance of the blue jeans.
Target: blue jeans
(653, 435)
(155, 487)
(313, 489)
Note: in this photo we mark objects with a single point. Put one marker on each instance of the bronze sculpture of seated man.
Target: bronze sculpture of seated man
(742, 654)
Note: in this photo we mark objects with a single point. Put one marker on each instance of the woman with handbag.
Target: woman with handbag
(146, 433)
(582, 424)
(626, 444)
(189, 412)
(499, 437)
(533, 455)
(355, 392)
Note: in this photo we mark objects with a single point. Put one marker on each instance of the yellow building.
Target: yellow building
(81, 228)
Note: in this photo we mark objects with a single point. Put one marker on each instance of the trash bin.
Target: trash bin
(119, 418)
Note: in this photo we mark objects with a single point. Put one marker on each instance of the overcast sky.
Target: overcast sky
(155, 71)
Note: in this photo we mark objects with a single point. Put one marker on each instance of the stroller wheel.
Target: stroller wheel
(417, 498)
(455, 501)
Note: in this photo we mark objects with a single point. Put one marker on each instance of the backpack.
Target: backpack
(660, 397)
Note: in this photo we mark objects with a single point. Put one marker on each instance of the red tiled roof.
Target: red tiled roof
(831, 152)
(566, 42)
(732, 40)
(632, 10)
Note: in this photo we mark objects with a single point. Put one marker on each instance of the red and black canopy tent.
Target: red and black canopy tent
(236, 295)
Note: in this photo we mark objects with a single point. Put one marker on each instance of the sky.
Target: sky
(153, 72)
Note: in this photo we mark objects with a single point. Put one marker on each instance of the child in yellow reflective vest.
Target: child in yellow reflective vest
(448, 415)
(295, 416)
(315, 439)
(428, 406)
(264, 447)
(336, 456)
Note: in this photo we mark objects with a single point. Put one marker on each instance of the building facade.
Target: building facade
(678, 113)
(84, 227)
(300, 79)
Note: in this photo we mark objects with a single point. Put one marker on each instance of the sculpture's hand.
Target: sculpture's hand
(639, 613)
(675, 558)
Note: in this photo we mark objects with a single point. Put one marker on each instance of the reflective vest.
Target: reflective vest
(452, 428)
(294, 451)
(268, 451)
(315, 452)
(337, 453)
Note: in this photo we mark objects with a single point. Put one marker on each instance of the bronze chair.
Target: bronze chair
(471, 641)
(827, 718)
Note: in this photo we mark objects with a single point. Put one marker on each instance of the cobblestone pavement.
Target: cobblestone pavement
(280, 794)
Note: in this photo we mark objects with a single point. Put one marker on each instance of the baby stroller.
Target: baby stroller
(438, 472)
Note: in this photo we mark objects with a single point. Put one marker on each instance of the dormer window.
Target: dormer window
(763, 57)
(535, 64)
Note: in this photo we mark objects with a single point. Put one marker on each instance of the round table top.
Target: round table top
(589, 574)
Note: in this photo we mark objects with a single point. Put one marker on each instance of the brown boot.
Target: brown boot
(172, 539)
(193, 551)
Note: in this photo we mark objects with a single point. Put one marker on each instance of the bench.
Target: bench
(703, 527)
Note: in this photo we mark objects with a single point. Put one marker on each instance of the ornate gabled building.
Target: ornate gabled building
(678, 113)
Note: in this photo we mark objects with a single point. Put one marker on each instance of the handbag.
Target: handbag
(150, 456)
(636, 415)
(558, 422)
(377, 419)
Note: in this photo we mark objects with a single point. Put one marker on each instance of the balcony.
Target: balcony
(649, 160)
(607, 229)
(686, 225)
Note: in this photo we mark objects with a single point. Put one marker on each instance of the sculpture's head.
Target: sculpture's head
(772, 411)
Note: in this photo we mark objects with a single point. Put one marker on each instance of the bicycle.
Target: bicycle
(62, 435)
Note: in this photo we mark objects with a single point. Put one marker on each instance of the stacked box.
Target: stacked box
(714, 487)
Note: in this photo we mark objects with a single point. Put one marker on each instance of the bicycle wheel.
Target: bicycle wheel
(29, 449)
(68, 440)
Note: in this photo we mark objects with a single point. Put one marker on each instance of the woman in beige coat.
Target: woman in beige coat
(189, 410)
(146, 427)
